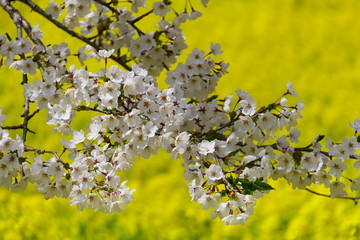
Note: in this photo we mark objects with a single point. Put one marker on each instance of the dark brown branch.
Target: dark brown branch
(19, 20)
(12, 127)
(132, 22)
(85, 108)
(39, 150)
(211, 132)
(140, 17)
(21, 24)
(325, 195)
(305, 149)
(42, 151)
(21, 126)
(37, 9)
(26, 111)
(33, 114)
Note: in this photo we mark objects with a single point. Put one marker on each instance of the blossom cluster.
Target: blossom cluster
(230, 147)
(114, 28)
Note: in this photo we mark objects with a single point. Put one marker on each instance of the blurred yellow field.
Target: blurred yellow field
(313, 43)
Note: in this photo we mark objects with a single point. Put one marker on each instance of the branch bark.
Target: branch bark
(355, 199)
(19, 20)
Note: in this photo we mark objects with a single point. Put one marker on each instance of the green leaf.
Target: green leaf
(206, 164)
(193, 100)
(250, 187)
(263, 186)
(233, 153)
(297, 157)
(232, 115)
(167, 2)
(271, 106)
(319, 138)
(8, 36)
(210, 99)
(231, 180)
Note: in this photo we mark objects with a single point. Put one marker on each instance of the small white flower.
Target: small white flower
(56, 169)
(23, 46)
(309, 162)
(282, 144)
(357, 164)
(36, 32)
(291, 89)
(337, 166)
(194, 15)
(294, 135)
(285, 162)
(2, 117)
(182, 142)
(161, 9)
(248, 107)
(26, 66)
(106, 53)
(356, 125)
(337, 189)
(206, 147)
(207, 201)
(355, 184)
(54, 9)
(235, 219)
(267, 121)
(322, 177)
(204, 2)
(214, 172)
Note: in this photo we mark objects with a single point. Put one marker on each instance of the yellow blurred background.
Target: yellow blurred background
(313, 43)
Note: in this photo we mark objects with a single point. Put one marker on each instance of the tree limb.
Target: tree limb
(19, 20)
(355, 199)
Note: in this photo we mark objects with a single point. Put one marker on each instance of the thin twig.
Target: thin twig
(20, 20)
(210, 132)
(131, 22)
(33, 114)
(20, 126)
(140, 17)
(42, 151)
(325, 195)
(26, 111)
(21, 24)
(306, 149)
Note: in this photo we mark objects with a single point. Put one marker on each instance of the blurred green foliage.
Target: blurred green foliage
(313, 43)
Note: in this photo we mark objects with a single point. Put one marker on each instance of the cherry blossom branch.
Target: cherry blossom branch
(21, 24)
(85, 108)
(21, 126)
(39, 150)
(226, 125)
(304, 149)
(19, 20)
(132, 22)
(37, 9)
(42, 151)
(25, 115)
(340, 197)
